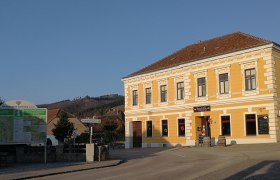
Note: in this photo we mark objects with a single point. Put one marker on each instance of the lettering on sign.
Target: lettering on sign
(91, 121)
(201, 108)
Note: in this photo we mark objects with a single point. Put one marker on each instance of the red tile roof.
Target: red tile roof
(55, 113)
(204, 49)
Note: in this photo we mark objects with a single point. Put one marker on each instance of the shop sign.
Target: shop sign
(201, 108)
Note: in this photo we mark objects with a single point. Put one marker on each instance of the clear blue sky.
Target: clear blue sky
(53, 50)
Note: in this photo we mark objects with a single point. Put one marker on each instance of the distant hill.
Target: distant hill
(87, 106)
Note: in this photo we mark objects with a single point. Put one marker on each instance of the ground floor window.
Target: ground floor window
(149, 128)
(164, 128)
(263, 126)
(181, 127)
(225, 125)
(250, 124)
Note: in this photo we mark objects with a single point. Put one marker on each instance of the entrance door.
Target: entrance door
(137, 133)
(203, 126)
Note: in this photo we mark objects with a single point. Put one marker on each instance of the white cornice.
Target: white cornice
(187, 113)
(276, 47)
(211, 103)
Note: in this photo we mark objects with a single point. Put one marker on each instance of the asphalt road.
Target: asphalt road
(260, 161)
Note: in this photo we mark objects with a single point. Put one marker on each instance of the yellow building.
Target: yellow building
(229, 86)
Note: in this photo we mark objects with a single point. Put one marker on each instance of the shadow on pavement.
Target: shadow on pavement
(272, 172)
(136, 153)
(143, 136)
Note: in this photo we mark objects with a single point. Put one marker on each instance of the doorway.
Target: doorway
(203, 126)
(137, 133)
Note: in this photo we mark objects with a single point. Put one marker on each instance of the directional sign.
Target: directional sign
(91, 121)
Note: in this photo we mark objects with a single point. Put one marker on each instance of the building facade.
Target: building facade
(229, 86)
(53, 118)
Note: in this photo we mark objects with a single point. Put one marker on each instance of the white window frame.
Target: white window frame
(177, 80)
(147, 85)
(161, 83)
(197, 75)
(249, 65)
(202, 85)
(250, 69)
(223, 70)
(137, 99)
(133, 88)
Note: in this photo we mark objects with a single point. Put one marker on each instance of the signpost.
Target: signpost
(91, 122)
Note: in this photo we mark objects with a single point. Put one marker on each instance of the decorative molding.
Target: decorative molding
(147, 84)
(211, 103)
(162, 82)
(134, 87)
(200, 74)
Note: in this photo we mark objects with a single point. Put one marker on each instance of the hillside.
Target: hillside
(87, 106)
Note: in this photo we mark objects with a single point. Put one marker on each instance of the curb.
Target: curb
(70, 171)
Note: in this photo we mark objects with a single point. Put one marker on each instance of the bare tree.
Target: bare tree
(1, 101)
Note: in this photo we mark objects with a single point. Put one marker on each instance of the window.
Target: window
(263, 126)
(225, 125)
(163, 93)
(250, 79)
(149, 128)
(164, 128)
(250, 124)
(180, 90)
(223, 83)
(134, 98)
(148, 95)
(181, 127)
(201, 87)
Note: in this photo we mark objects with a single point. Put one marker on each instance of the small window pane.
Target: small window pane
(203, 90)
(222, 87)
(253, 72)
(253, 83)
(200, 91)
(247, 73)
(226, 87)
